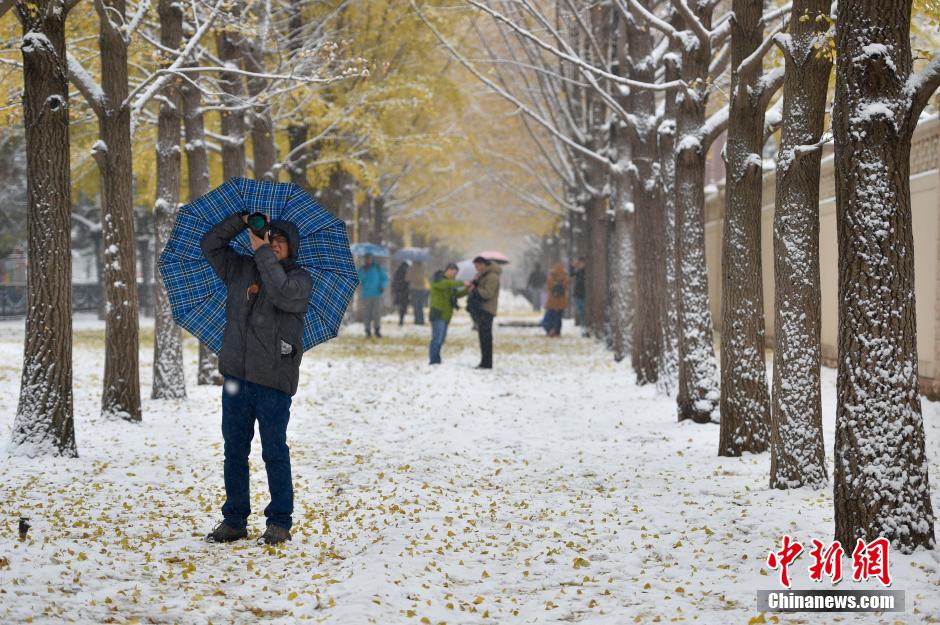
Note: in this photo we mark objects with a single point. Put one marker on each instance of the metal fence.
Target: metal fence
(85, 297)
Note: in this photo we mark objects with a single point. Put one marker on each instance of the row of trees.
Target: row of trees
(623, 101)
(172, 95)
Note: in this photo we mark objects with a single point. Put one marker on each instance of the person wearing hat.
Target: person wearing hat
(268, 295)
(445, 291)
(486, 290)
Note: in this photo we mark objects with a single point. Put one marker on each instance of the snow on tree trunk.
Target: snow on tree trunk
(745, 400)
(112, 152)
(697, 398)
(880, 478)
(668, 368)
(44, 418)
(797, 455)
(649, 232)
(197, 170)
(228, 43)
(169, 380)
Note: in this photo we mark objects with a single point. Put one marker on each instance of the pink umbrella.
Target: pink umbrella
(495, 256)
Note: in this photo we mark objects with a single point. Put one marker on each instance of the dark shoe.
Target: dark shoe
(225, 533)
(484, 366)
(274, 535)
(378, 334)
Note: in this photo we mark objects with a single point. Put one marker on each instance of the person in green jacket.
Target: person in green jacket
(444, 293)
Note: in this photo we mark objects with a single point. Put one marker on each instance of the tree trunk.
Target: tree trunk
(668, 367)
(649, 231)
(121, 396)
(622, 265)
(745, 400)
(44, 418)
(880, 478)
(197, 169)
(229, 41)
(596, 271)
(297, 130)
(797, 455)
(169, 379)
(263, 149)
(698, 389)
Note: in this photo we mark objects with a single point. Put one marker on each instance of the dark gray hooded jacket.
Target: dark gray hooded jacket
(258, 320)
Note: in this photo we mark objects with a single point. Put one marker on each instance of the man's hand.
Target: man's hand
(257, 242)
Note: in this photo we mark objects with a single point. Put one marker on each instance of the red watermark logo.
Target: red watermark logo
(869, 560)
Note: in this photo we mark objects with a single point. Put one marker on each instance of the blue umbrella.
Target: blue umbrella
(414, 254)
(363, 249)
(197, 295)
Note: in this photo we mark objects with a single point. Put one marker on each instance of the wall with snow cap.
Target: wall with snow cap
(925, 206)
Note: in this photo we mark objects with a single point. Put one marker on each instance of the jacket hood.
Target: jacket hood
(558, 271)
(293, 236)
(493, 267)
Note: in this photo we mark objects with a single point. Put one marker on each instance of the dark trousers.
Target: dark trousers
(552, 321)
(485, 330)
(419, 299)
(242, 403)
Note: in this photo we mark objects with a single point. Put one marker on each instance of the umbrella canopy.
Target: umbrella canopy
(496, 257)
(414, 254)
(465, 270)
(197, 295)
(365, 249)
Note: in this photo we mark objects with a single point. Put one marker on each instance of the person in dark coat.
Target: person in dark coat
(401, 291)
(484, 290)
(534, 285)
(262, 346)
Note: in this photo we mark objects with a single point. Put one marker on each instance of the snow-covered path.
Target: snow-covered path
(549, 489)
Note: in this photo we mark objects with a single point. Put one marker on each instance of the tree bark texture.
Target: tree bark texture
(44, 418)
(797, 454)
(121, 395)
(698, 394)
(169, 379)
(881, 485)
(745, 398)
(668, 368)
(229, 43)
(197, 170)
(649, 231)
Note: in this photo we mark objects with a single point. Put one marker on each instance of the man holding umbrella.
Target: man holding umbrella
(268, 296)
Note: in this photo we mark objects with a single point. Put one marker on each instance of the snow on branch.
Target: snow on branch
(157, 80)
(131, 27)
(753, 62)
(86, 85)
(594, 156)
(920, 86)
(714, 126)
(704, 37)
(657, 23)
(571, 58)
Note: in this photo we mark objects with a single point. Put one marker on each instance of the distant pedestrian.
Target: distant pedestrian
(400, 290)
(374, 280)
(445, 291)
(418, 286)
(579, 289)
(557, 286)
(534, 286)
(486, 287)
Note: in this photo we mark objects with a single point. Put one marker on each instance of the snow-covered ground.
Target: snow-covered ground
(548, 489)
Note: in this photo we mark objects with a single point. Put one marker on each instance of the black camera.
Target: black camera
(258, 223)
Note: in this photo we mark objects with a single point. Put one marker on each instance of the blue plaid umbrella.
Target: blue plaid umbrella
(196, 293)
